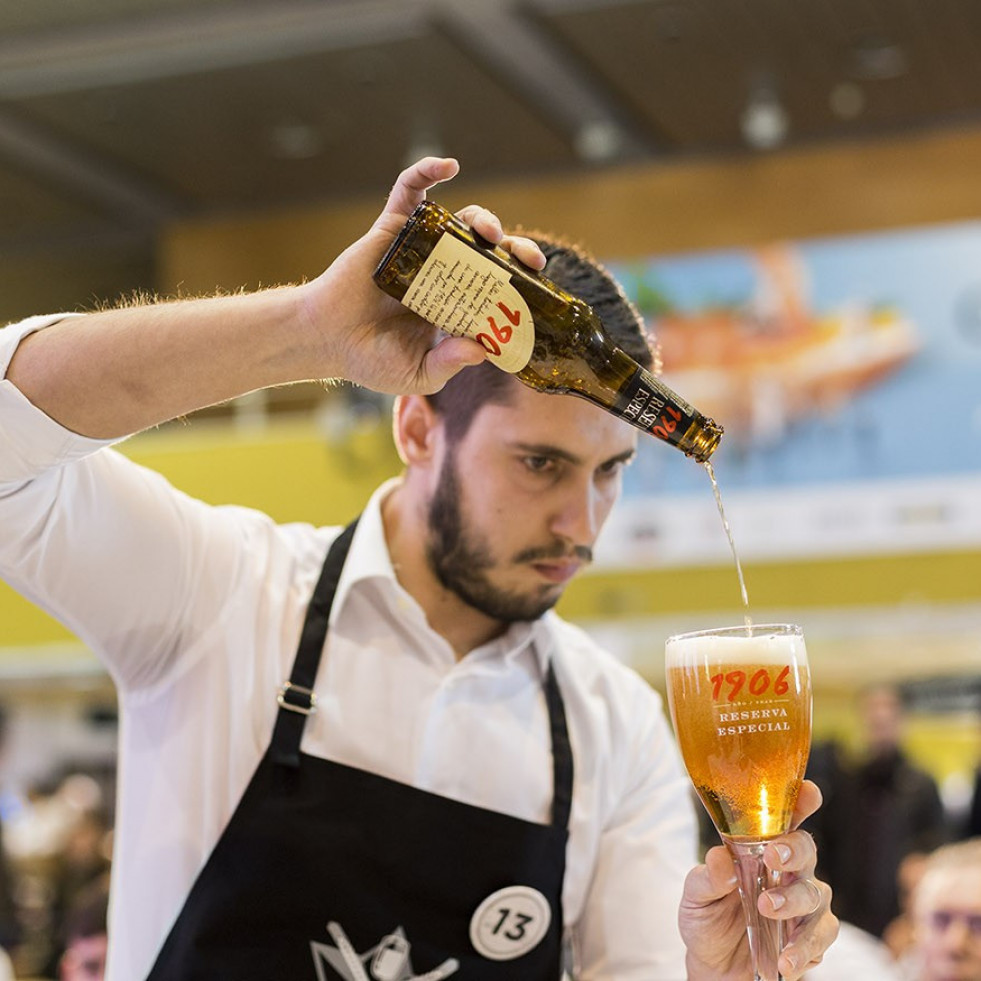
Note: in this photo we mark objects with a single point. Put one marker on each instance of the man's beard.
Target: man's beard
(461, 558)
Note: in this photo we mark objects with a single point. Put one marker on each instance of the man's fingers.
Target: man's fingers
(799, 894)
(410, 188)
(808, 801)
(483, 221)
(802, 901)
(525, 250)
(446, 358)
(800, 898)
(809, 939)
(711, 881)
(794, 852)
(488, 226)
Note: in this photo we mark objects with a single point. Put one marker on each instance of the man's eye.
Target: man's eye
(613, 467)
(539, 464)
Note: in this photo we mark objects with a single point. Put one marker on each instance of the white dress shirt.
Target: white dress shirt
(196, 612)
(854, 955)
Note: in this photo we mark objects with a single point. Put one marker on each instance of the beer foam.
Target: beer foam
(760, 648)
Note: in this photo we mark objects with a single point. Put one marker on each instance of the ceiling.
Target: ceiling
(118, 116)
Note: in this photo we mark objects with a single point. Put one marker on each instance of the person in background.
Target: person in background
(86, 939)
(10, 927)
(898, 935)
(947, 916)
(83, 859)
(971, 827)
(454, 780)
(896, 810)
(828, 767)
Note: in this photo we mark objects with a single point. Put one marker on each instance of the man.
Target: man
(947, 916)
(894, 810)
(85, 937)
(10, 929)
(454, 782)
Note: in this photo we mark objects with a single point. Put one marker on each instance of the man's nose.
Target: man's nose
(577, 517)
(957, 935)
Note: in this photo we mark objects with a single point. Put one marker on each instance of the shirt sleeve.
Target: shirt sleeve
(629, 927)
(30, 441)
(133, 567)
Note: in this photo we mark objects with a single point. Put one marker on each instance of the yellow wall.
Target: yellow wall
(293, 472)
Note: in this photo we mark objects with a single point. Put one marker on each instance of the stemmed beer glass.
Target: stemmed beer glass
(740, 700)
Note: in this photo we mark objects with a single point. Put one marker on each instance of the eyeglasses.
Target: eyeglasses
(942, 919)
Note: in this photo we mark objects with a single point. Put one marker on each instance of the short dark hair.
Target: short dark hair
(576, 271)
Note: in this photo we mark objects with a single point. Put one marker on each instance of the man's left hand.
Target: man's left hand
(711, 916)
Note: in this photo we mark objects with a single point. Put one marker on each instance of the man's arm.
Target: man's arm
(113, 373)
(108, 548)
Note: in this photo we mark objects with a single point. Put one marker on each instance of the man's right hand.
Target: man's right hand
(371, 339)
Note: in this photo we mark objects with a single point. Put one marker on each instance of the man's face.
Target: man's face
(85, 959)
(521, 499)
(948, 924)
(882, 716)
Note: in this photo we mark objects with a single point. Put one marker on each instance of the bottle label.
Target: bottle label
(468, 294)
(650, 406)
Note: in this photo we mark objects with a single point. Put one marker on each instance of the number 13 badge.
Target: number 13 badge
(510, 922)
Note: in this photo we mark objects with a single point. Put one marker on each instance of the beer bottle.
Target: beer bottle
(550, 340)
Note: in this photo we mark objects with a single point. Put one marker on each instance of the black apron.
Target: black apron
(327, 872)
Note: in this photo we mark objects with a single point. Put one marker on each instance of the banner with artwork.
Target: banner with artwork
(847, 375)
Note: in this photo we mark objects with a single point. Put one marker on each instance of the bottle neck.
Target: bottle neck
(650, 405)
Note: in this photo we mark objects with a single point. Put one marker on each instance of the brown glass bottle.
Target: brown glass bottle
(549, 339)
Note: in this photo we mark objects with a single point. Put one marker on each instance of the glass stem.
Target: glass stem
(765, 934)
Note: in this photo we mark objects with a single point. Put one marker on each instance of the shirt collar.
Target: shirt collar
(369, 559)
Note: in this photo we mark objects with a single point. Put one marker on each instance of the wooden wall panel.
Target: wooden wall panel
(701, 204)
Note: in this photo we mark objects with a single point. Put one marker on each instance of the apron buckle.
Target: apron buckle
(296, 698)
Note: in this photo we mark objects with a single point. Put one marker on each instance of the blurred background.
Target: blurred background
(789, 191)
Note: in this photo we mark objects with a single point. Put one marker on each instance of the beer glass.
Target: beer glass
(740, 700)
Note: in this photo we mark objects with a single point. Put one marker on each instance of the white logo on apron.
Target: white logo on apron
(510, 922)
(388, 961)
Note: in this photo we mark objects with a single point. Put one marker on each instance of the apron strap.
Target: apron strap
(296, 698)
(562, 765)
(297, 701)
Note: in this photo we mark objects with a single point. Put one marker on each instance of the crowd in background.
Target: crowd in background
(56, 861)
(906, 874)
(55, 857)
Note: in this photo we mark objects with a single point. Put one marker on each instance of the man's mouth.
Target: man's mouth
(557, 571)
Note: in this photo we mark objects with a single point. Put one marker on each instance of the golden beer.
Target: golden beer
(741, 708)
